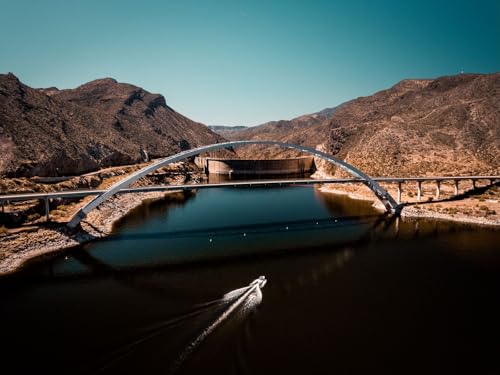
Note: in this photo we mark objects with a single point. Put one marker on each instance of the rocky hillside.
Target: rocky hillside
(449, 125)
(306, 129)
(227, 131)
(51, 132)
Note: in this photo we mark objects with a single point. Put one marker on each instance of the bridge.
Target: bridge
(387, 200)
(122, 186)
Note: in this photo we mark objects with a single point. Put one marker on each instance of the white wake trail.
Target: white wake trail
(250, 297)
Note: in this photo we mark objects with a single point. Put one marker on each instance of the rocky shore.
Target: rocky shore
(414, 212)
(25, 244)
(478, 210)
(35, 237)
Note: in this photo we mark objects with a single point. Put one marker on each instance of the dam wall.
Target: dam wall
(296, 166)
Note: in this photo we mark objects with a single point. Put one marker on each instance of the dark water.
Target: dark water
(349, 292)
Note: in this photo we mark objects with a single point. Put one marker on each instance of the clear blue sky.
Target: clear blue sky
(247, 62)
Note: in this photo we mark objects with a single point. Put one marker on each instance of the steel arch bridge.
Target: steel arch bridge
(387, 200)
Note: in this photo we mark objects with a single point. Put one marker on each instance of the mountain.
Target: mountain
(306, 130)
(225, 130)
(448, 125)
(217, 128)
(51, 132)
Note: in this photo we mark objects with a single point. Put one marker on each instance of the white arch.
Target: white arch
(387, 200)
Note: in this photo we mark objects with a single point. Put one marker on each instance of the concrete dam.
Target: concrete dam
(239, 167)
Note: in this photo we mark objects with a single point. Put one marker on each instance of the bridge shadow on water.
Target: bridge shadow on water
(374, 226)
(238, 230)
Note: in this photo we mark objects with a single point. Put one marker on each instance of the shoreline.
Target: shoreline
(416, 213)
(33, 243)
(410, 211)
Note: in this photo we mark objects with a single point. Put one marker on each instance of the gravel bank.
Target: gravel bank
(420, 211)
(26, 244)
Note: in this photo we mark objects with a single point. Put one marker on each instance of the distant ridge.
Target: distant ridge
(216, 128)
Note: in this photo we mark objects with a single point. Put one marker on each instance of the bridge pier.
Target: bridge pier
(47, 216)
(438, 189)
(456, 187)
(474, 184)
(419, 190)
(399, 192)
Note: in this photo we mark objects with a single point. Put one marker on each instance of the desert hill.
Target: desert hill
(51, 132)
(448, 125)
(306, 129)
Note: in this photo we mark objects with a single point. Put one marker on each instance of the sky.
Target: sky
(240, 62)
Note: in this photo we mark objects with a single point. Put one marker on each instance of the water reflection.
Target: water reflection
(343, 206)
(150, 210)
(221, 178)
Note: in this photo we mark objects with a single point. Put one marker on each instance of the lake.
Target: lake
(349, 291)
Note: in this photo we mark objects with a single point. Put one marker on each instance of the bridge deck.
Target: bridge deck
(145, 189)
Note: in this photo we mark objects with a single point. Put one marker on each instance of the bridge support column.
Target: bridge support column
(474, 184)
(456, 187)
(438, 189)
(399, 192)
(419, 190)
(3, 207)
(47, 216)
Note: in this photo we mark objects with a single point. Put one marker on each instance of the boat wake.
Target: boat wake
(235, 304)
(242, 301)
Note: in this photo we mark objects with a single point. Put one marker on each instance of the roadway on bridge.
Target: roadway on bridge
(254, 183)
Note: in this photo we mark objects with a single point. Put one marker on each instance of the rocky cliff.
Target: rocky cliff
(51, 132)
(448, 125)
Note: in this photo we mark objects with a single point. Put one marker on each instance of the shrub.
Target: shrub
(33, 217)
(3, 231)
(57, 213)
